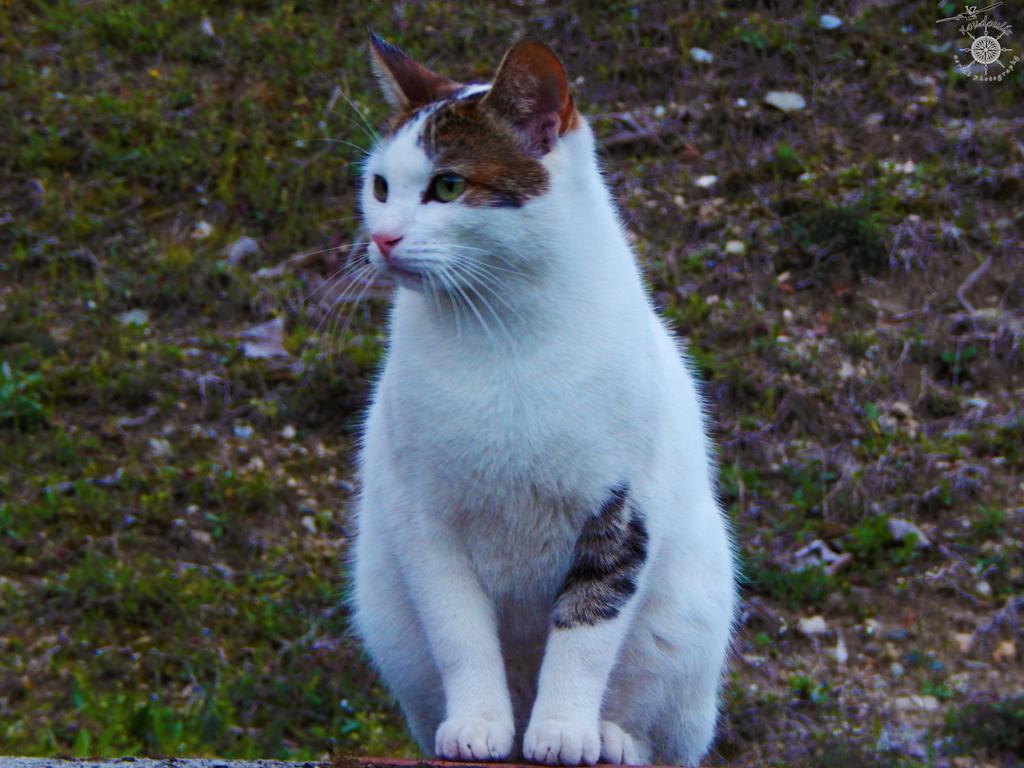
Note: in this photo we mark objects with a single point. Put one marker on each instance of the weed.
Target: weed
(848, 234)
(994, 728)
(20, 404)
(794, 588)
(873, 546)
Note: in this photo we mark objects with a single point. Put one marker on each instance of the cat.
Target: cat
(541, 567)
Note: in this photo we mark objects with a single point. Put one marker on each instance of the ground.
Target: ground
(178, 404)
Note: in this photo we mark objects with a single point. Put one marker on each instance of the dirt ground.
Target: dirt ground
(830, 214)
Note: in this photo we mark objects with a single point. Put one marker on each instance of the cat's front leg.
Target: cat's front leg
(461, 627)
(590, 620)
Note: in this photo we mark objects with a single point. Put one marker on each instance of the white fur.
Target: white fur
(492, 436)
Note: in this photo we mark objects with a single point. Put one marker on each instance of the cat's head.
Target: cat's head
(458, 182)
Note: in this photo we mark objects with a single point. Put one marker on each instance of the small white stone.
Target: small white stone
(787, 101)
(288, 433)
(811, 626)
(702, 56)
(309, 523)
(659, 111)
(916, 703)
(901, 529)
(896, 669)
(963, 641)
(159, 448)
(840, 652)
(240, 249)
(735, 247)
(706, 182)
(828, 21)
(1005, 651)
(134, 317)
(983, 588)
(742, 103)
(202, 230)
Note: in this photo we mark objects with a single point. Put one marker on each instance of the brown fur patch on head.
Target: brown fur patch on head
(464, 136)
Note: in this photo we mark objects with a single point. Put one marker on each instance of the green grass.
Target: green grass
(174, 516)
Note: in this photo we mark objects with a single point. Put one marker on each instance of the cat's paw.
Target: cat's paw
(474, 738)
(562, 742)
(618, 747)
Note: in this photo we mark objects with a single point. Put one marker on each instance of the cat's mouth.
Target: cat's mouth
(403, 274)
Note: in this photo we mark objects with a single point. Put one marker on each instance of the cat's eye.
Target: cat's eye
(446, 187)
(380, 188)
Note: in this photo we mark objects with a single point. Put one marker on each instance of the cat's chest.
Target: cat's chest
(556, 428)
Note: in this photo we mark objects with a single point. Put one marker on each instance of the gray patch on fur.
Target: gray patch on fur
(606, 562)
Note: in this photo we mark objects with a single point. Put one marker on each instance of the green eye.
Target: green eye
(380, 188)
(447, 187)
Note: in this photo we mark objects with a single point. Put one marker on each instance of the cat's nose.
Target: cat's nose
(386, 242)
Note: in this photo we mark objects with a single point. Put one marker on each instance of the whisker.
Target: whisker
(471, 303)
(329, 140)
(366, 123)
(471, 283)
(491, 285)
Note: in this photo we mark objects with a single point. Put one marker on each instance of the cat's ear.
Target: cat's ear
(406, 83)
(531, 90)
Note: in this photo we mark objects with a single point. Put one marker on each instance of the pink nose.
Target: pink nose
(386, 242)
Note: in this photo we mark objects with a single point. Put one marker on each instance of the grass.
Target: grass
(174, 514)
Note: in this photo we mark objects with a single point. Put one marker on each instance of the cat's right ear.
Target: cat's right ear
(531, 90)
(405, 82)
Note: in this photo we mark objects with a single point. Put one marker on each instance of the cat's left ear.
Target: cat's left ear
(406, 83)
(531, 90)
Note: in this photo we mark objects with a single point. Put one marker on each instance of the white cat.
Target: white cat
(541, 566)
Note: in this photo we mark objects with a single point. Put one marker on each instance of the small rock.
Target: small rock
(202, 537)
(706, 182)
(742, 103)
(735, 248)
(916, 703)
(309, 523)
(240, 249)
(201, 230)
(159, 448)
(896, 669)
(288, 433)
(901, 529)
(265, 340)
(787, 101)
(963, 641)
(902, 408)
(840, 652)
(828, 21)
(134, 317)
(1005, 651)
(701, 56)
(983, 588)
(812, 626)
(243, 431)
